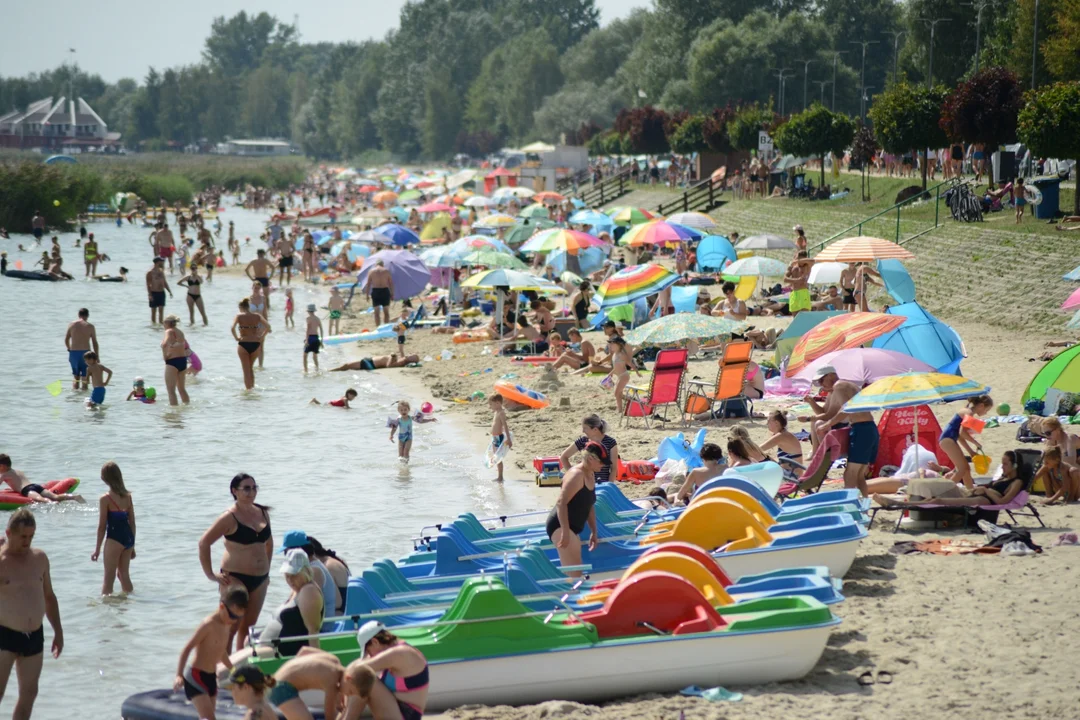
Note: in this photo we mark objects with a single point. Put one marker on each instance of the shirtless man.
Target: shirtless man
(827, 378)
(156, 287)
(260, 270)
(864, 437)
(285, 249)
(847, 282)
(33, 492)
(379, 287)
(798, 276)
(663, 303)
(829, 301)
(379, 362)
(26, 595)
(165, 245)
(37, 223)
(81, 337)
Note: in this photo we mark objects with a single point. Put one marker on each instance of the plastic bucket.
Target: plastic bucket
(981, 463)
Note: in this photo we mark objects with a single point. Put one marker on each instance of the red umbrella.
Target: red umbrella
(434, 207)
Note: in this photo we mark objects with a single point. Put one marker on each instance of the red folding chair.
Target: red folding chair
(664, 388)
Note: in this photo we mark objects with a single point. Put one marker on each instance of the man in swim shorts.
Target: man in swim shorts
(38, 225)
(156, 287)
(165, 245)
(379, 362)
(798, 276)
(285, 249)
(380, 288)
(81, 337)
(26, 595)
(260, 270)
(863, 438)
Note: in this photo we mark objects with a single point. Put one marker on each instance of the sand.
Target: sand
(971, 637)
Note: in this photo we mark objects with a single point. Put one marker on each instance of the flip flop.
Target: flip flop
(693, 691)
(884, 677)
(866, 679)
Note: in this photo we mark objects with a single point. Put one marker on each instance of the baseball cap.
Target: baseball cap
(293, 539)
(823, 371)
(367, 631)
(295, 562)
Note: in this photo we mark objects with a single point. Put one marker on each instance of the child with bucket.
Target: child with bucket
(958, 441)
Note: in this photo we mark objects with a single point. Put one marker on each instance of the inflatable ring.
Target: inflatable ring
(468, 336)
(522, 395)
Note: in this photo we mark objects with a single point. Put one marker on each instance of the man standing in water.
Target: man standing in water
(285, 249)
(380, 289)
(259, 270)
(80, 338)
(37, 223)
(156, 287)
(26, 595)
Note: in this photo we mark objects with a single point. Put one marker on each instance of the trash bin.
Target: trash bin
(1050, 187)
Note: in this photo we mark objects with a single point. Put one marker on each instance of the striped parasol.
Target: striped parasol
(913, 388)
(838, 333)
(512, 279)
(559, 239)
(681, 327)
(696, 220)
(479, 242)
(632, 216)
(496, 221)
(658, 232)
(636, 281)
(862, 249)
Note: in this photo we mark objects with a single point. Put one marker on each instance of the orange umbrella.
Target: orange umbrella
(546, 196)
(839, 333)
(862, 249)
(386, 196)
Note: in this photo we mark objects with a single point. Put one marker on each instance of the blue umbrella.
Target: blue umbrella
(714, 252)
(398, 234)
(409, 272)
(588, 260)
(356, 250)
(1073, 274)
(924, 337)
(898, 282)
(577, 203)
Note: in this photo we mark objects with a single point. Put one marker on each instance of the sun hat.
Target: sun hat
(139, 381)
(822, 372)
(311, 307)
(293, 539)
(295, 562)
(368, 631)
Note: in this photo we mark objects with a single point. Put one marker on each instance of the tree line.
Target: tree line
(470, 76)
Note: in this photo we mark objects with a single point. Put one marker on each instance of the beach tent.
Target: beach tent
(714, 252)
(433, 230)
(683, 299)
(800, 325)
(898, 282)
(897, 429)
(924, 337)
(1062, 373)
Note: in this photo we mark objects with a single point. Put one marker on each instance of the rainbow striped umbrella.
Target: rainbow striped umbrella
(636, 281)
(862, 249)
(632, 216)
(559, 239)
(839, 333)
(913, 388)
(658, 232)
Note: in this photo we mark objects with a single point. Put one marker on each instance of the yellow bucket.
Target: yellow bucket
(981, 463)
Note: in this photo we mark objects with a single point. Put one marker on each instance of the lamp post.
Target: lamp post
(862, 73)
(836, 56)
(896, 50)
(806, 73)
(932, 24)
(864, 99)
(821, 84)
(979, 6)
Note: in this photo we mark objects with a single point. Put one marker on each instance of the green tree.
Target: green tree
(577, 104)
(984, 108)
(688, 137)
(1049, 124)
(745, 127)
(815, 131)
(1062, 48)
(266, 103)
(442, 115)
(236, 45)
(907, 119)
(600, 54)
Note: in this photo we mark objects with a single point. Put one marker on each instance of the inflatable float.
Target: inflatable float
(383, 332)
(10, 500)
(494, 455)
(522, 395)
(30, 275)
(468, 336)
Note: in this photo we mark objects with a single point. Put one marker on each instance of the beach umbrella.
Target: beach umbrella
(496, 221)
(913, 388)
(1073, 274)
(513, 279)
(479, 242)
(409, 272)
(1072, 301)
(434, 207)
(767, 241)
(696, 220)
(800, 325)
(480, 201)
(658, 232)
(681, 327)
(838, 333)
(525, 229)
(397, 234)
(714, 252)
(355, 251)
(441, 257)
(553, 239)
(517, 191)
(865, 365)
(898, 282)
(410, 196)
(536, 210)
(862, 249)
(368, 236)
(493, 259)
(924, 337)
(386, 196)
(826, 273)
(586, 261)
(756, 265)
(547, 197)
(590, 217)
(633, 283)
(398, 212)
(1063, 373)
(570, 278)
(433, 231)
(623, 215)
(577, 203)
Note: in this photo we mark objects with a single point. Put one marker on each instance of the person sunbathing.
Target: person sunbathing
(379, 362)
(999, 492)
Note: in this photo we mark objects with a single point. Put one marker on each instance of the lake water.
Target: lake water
(331, 472)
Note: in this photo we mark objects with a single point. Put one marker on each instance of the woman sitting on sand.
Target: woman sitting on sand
(999, 492)
(1062, 481)
(738, 453)
(575, 359)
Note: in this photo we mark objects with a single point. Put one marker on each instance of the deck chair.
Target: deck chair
(663, 391)
(729, 381)
(833, 447)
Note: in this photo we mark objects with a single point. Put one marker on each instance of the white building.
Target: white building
(255, 148)
(56, 125)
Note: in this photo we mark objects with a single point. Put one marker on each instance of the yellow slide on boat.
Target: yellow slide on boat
(675, 563)
(715, 523)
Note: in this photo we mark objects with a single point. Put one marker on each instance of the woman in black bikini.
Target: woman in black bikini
(174, 350)
(580, 302)
(576, 507)
(248, 329)
(193, 282)
(249, 545)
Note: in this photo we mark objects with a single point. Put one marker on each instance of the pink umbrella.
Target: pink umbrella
(865, 365)
(434, 207)
(1073, 301)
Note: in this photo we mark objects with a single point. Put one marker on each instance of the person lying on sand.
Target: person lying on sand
(999, 492)
(379, 362)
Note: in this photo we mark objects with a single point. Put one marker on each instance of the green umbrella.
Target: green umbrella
(524, 230)
(681, 327)
(410, 195)
(536, 210)
(493, 259)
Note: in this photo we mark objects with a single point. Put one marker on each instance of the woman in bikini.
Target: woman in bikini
(174, 350)
(309, 256)
(248, 331)
(1062, 481)
(621, 363)
(580, 301)
(193, 283)
(249, 545)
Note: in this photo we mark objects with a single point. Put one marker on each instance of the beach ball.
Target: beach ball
(56, 203)
(1003, 409)
(426, 408)
(151, 393)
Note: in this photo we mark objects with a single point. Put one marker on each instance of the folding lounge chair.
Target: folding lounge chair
(664, 387)
(729, 381)
(830, 449)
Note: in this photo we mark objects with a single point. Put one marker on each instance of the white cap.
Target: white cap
(367, 631)
(823, 371)
(295, 562)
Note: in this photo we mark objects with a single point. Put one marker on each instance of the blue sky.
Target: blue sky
(118, 40)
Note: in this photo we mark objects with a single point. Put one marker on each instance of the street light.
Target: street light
(864, 99)
(932, 24)
(836, 56)
(896, 49)
(862, 73)
(1035, 45)
(979, 6)
(821, 84)
(806, 72)
(780, 76)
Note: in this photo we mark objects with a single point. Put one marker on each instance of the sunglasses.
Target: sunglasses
(248, 488)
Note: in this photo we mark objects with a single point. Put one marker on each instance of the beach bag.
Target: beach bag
(1034, 406)
(1025, 435)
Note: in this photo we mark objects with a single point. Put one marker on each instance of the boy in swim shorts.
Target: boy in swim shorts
(336, 305)
(96, 372)
(500, 431)
(211, 645)
(314, 336)
(31, 491)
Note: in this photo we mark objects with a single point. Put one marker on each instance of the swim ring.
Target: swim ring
(520, 394)
(10, 500)
(468, 336)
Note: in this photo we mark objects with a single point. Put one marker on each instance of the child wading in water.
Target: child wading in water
(342, 402)
(335, 305)
(211, 645)
(116, 528)
(314, 336)
(96, 372)
(500, 431)
(289, 309)
(402, 425)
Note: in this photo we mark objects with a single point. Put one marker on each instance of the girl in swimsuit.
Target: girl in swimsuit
(174, 350)
(621, 362)
(788, 447)
(116, 528)
(247, 330)
(249, 545)
(576, 507)
(192, 282)
(1062, 482)
(309, 256)
(958, 442)
(391, 677)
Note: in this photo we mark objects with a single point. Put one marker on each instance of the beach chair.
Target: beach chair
(833, 447)
(729, 381)
(663, 391)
